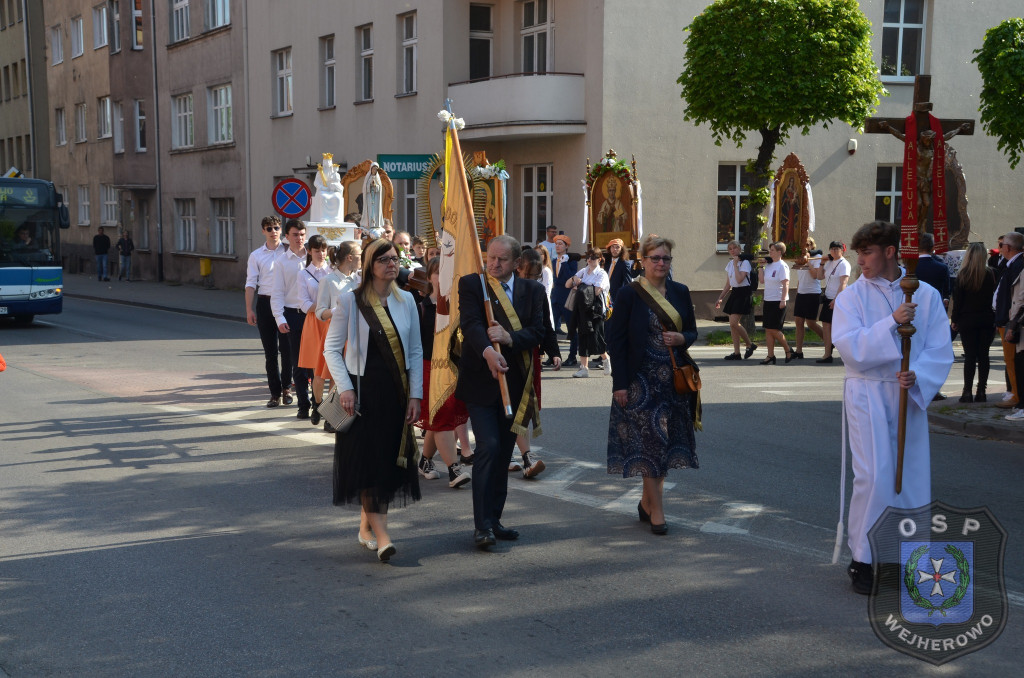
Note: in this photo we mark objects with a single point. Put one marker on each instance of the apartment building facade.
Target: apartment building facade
(547, 84)
(24, 134)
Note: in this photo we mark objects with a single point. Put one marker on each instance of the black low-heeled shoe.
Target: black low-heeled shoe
(314, 415)
(770, 360)
(659, 529)
(645, 517)
(789, 357)
(750, 351)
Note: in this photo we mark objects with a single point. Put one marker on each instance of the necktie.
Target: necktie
(558, 266)
(508, 290)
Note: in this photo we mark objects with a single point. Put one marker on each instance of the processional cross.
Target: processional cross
(924, 139)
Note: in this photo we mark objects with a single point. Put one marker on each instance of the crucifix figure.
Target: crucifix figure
(924, 175)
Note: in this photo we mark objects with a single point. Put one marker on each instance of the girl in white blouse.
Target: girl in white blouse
(591, 327)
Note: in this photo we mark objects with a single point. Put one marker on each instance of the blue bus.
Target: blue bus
(32, 213)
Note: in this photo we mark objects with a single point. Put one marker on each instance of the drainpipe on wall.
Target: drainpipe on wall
(28, 81)
(156, 136)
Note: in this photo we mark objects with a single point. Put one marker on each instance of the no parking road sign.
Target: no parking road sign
(292, 198)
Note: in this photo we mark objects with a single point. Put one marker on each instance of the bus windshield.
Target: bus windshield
(28, 236)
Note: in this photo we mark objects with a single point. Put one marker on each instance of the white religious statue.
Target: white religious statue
(327, 203)
(373, 203)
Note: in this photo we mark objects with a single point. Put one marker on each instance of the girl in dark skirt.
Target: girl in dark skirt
(775, 277)
(737, 286)
(375, 461)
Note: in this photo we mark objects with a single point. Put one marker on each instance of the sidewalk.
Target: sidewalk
(192, 299)
(983, 420)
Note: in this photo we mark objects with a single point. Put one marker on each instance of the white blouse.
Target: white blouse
(598, 278)
(775, 274)
(332, 287)
(308, 282)
(807, 284)
(730, 270)
(834, 271)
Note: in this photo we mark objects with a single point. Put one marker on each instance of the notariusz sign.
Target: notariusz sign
(404, 166)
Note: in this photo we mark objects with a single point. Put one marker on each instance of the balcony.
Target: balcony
(520, 106)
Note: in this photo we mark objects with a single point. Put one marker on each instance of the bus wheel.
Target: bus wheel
(23, 319)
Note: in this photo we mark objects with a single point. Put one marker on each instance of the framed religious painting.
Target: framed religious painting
(352, 186)
(790, 211)
(612, 202)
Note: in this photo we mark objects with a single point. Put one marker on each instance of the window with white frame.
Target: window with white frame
(222, 211)
(80, 129)
(731, 222)
(364, 43)
(118, 127)
(103, 115)
(889, 193)
(327, 70)
(182, 132)
(537, 196)
(60, 127)
(56, 46)
(185, 224)
(538, 29)
(282, 62)
(407, 28)
(409, 198)
(218, 13)
(140, 126)
(99, 26)
(481, 39)
(137, 32)
(108, 212)
(903, 26)
(83, 205)
(77, 37)
(179, 20)
(114, 22)
(219, 114)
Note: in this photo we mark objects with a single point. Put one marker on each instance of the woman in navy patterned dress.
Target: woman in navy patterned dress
(651, 426)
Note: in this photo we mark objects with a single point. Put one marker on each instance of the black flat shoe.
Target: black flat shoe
(645, 517)
(571, 362)
(798, 355)
(467, 461)
(303, 413)
(314, 415)
(789, 357)
(770, 360)
(826, 359)
(287, 398)
(483, 539)
(732, 356)
(274, 402)
(750, 351)
(505, 533)
(659, 529)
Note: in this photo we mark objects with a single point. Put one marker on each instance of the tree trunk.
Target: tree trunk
(755, 207)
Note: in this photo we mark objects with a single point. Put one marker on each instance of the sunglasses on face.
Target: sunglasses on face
(268, 229)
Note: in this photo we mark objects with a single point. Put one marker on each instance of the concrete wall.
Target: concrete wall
(24, 135)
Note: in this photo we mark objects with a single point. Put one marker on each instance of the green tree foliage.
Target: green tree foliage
(771, 66)
(1001, 63)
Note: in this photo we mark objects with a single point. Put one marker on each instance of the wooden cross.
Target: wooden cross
(922, 92)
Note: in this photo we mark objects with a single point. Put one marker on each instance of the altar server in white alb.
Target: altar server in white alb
(864, 331)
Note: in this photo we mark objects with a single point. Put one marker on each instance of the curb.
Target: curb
(975, 428)
(158, 307)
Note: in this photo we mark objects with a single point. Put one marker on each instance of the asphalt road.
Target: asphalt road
(156, 519)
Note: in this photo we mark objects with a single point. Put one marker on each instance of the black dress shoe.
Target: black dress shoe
(645, 517)
(303, 413)
(789, 358)
(502, 532)
(550, 362)
(484, 539)
(314, 415)
(732, 356)
(861, 577)
(274, 402)
(749, 351)
(770, 360)
(659, 529)
(798, 355)
(287, 398)
(571, 362)
(467, 461)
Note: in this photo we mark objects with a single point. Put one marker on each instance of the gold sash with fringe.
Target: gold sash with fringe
(526, 413)
(382, 330)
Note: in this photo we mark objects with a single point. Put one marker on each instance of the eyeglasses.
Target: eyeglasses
(387, 260)
(659, 259)
(272, 228)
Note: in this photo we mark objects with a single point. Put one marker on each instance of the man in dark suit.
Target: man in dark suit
(479, 369)
(1011, 249)
(930, 269)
